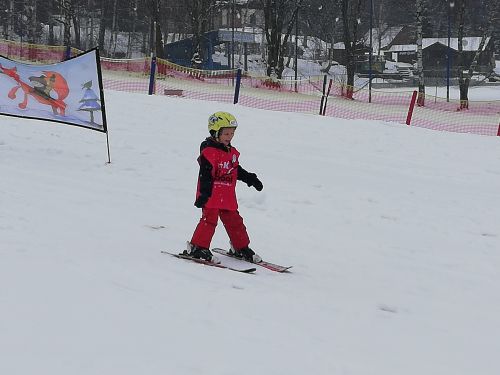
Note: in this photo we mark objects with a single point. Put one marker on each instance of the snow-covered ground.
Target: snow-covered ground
(393, 233)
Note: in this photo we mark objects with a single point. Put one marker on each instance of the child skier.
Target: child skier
(216, 195)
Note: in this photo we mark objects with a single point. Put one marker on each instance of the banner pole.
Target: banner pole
(103, 104)
(107, 142)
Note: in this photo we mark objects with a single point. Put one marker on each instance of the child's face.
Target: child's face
(225, 135)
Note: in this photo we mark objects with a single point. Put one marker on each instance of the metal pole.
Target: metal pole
(152, 70)
(448, 56)
(296, 47)
(232, 36)
(371, 53)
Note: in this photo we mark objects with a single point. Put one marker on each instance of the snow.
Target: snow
(392, 231)
(469, 44)
(387, 35)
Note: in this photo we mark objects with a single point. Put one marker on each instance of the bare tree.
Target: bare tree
(50, 6)
(32, 24)
(114, 31)
(466, 69)
(134, 4)
(7, 18)
(420, 67)
(66, 7)
(200, 13)
(350, 14)
(279, 19)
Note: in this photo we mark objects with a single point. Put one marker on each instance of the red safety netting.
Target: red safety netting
(177, 80)
(310, 86)
(281, 95)
(377, 105)
(481, 117)
(131, 75)
(34, 52)
(111, 82)
(141, 66)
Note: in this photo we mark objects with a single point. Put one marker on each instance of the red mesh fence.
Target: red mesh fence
(481, 117)
(305, 96)
(379, 105)
(281, 95)
(139, 67)
(131, 75)
(34, 52)
(172, 79)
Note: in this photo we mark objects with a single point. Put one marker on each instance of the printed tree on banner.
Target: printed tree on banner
(90, 101)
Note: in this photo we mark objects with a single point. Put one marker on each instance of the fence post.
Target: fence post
(237, 87)
(323, 96)
(412, 105)
(152, 71)
(67, 52)
(327, 95)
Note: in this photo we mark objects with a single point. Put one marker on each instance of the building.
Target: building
(435, 52)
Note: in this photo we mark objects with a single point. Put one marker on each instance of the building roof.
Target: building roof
(387, 36)
(470, 43)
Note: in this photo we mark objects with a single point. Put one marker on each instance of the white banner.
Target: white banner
(68, 92)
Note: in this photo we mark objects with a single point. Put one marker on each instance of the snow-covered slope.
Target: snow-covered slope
(393, 233)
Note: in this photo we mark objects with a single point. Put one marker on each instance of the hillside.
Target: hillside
(392, 231)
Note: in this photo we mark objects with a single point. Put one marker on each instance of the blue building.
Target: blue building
(182, 51)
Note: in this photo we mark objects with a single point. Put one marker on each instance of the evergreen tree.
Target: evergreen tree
(90, 101)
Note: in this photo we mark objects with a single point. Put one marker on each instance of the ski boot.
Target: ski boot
(200, 253)
(245, 253)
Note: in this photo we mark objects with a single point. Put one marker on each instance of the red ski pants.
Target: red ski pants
(232, 221)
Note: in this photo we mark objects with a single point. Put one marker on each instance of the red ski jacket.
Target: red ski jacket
(219, 171)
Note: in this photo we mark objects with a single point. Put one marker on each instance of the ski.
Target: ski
(268, 265)
(207, 263)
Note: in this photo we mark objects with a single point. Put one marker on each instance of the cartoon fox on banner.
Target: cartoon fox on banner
(48, 81)
(59, 92)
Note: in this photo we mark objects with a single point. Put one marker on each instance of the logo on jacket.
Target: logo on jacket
(223, 173)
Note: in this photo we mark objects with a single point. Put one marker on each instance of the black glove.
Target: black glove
(258, 185)
(254, 181)
(201, 201)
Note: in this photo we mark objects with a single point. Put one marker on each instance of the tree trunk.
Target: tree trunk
(463, 80)
(275, 19)
(465, 73)
(90, 34)
(112, 38)
(350, 16)
(76, 28)
(102, 26)
(67, 22)
(9, 30)
(51, 39)
(420, 68)
(32, 21)
(131, 34)
(159, 40)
